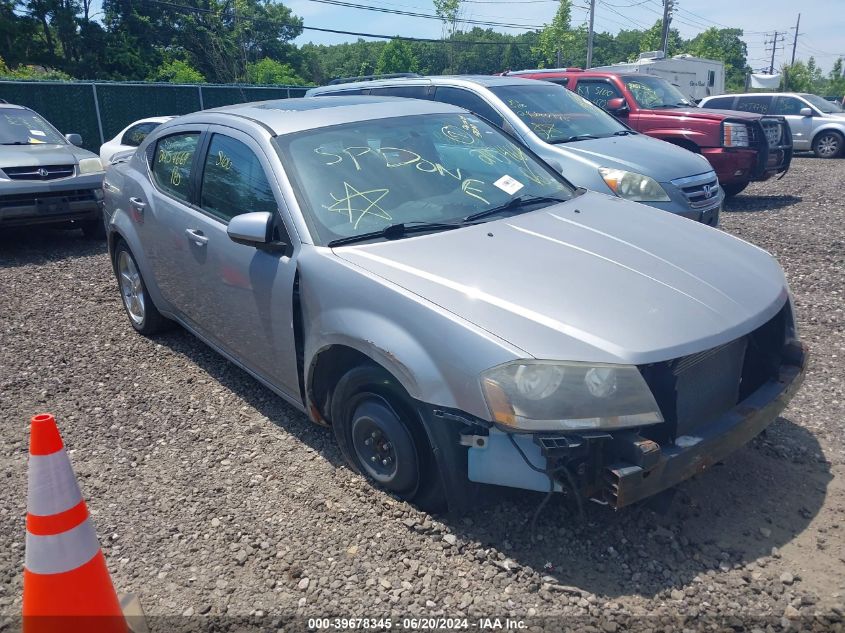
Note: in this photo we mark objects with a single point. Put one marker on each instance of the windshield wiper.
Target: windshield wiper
(516, 203)
(624, 133)
(19, 143)
(571, 139)
(395, 231)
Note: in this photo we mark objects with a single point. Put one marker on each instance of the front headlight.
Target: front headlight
(735, 135)
(542, 395)
(90, 165)
(633, 186)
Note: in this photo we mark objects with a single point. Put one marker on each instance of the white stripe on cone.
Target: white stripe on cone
(52, 486)
(63, 552)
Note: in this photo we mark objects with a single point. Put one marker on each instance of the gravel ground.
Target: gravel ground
(213, 499)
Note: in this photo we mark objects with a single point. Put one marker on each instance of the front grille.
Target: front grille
(773, 129)
(33, 199)
(41, 172)
(700, 191)
(691, 390)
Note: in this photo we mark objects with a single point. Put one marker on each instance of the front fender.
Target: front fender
(435, 355)
(673, 135)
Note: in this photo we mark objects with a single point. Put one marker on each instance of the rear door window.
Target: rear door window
(233, 180)
(759, 104)
(470, 101)
(597, 91)
(172, 163)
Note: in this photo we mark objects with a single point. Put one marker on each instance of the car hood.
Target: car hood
(706, 113)
(593, 279)
(639, 153)
(41, 154)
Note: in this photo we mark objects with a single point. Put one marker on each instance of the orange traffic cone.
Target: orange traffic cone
(66, 584)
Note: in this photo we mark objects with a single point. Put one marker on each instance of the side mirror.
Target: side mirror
(806, 112)
(75, 139)
(251, 229)
(554, 164)
(617, 105)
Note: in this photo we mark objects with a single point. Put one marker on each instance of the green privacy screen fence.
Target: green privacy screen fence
(99, 110)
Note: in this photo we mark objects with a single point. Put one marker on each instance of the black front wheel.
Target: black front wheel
(381, 437)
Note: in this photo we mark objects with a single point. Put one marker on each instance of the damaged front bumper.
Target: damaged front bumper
(619, 467)
(626, 483)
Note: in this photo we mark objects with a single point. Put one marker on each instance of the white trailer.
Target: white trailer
(695, 77)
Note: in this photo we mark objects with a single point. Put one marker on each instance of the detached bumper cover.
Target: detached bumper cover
(712, 442)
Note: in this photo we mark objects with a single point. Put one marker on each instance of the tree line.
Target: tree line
(250, 41)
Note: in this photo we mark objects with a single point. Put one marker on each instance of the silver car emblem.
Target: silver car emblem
(709, 190)
(43, 172)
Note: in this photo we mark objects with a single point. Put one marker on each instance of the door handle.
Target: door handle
(196, 236)
(136, 208)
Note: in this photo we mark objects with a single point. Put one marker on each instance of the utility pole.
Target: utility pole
(795, 39)
(590, 34)
(774, 42)
(668, 5)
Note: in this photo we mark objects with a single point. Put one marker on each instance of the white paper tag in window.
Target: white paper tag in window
(508, 185)
(37, 133)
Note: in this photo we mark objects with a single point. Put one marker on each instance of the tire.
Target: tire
(734, 189)
(375, 424)
(93, 229)
(828, 144)
(142, 312)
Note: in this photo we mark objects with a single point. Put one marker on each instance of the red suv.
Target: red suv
(741, 146)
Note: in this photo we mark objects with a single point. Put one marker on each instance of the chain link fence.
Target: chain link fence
(99, 110)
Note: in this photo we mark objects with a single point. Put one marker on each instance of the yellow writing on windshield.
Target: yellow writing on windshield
(470, 189)
(357, 204)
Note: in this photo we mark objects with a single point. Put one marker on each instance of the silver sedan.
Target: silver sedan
(452, 307)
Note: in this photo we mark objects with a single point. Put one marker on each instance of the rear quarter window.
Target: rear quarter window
(720, 103)
(172, 163)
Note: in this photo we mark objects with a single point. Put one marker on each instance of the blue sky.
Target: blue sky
(822, 31)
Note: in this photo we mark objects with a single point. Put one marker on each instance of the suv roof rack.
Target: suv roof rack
(346, 80)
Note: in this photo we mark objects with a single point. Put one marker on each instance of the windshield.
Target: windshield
(654, 92)
(362, 177)
(24, 127)
(823, 105)
(556, 114)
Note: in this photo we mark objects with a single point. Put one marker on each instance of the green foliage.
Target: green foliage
(396, 57)
(808, 77)
(726, 46)
(557, 38)
(269, 71)
(31, 71)
(177, 72)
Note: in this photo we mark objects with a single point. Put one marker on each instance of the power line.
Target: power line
(430, 16)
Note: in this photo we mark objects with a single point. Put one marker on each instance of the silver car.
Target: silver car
(816, 124)
(583, 142)
(456, 311)
(44, 177)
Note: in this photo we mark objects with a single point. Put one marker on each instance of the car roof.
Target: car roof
(466, 81)
(12, 106)
(762, 94)
(284, 116)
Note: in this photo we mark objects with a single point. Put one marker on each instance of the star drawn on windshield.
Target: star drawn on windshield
(545, 130)
(354, 198)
